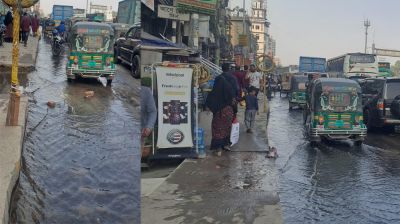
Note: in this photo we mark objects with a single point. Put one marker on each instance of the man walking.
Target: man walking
(25, 27)
(255, 78)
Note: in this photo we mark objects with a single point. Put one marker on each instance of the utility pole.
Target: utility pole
(87, 7)
(367, 24)
(15, 95)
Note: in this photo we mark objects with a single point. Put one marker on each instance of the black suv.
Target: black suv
(381, 102)
(127, 50)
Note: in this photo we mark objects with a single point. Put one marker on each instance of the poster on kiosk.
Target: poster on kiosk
(174, 86)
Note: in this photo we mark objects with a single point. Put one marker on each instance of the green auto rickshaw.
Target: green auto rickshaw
(297, 93)
(91, 51)
(334, 111)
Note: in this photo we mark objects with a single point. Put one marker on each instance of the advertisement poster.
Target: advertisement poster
(174, 107)
(198, 6)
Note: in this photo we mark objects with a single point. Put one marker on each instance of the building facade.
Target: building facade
(107, 11)
(260, 25)
(244, 45)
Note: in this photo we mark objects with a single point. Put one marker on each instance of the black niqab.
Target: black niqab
(9, 19)
(220, 96)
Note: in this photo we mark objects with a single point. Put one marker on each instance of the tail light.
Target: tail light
(380, 105)
(321, 119)
(76, 60)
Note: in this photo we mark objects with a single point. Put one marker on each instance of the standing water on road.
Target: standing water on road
(335, 182)
(80, 161)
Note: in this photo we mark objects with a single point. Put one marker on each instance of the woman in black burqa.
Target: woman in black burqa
(219, 101)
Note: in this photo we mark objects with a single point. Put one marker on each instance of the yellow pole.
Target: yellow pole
(13, 105)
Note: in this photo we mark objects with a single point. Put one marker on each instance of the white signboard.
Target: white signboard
(385, 52)
(169, 12)
(174, 87)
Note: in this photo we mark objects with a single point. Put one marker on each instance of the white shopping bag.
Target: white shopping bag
(103, 80)
(235, 133)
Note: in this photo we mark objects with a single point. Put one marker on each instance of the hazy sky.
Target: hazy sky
(47, 5)
(329, 28)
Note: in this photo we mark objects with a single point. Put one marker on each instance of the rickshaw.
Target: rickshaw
(334, 111)
(120, 29)
(91, 52)
(297, 93)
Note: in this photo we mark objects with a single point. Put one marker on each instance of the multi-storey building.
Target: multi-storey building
(260, 25)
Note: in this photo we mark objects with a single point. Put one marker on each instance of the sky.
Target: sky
(47, 5)
(329, 28)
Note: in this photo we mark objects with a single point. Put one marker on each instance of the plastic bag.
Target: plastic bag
(235, 133)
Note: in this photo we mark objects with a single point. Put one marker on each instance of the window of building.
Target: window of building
(257, 27)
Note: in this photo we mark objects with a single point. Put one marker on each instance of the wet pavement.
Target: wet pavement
(80, 161)
(335, 182)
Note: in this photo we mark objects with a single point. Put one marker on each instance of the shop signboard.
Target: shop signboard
(198, 6)
(174, 88)
(170, 12)
(243, 40)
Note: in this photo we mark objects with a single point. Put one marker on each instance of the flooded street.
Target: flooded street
(80, 161)
(335, 182)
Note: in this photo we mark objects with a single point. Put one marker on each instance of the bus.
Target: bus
(384, 69)
(353, 65)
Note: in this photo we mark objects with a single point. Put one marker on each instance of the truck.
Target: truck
(129, 12)
(96, 17)
(312, 64)
(62, 13)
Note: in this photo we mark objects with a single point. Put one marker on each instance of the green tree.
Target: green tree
(395, 69)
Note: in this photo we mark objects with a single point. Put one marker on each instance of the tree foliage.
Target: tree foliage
(396, 69)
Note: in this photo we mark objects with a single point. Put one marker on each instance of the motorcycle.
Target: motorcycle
(57, 44)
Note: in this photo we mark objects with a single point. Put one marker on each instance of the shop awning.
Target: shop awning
(150, 42)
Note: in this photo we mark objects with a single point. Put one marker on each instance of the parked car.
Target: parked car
(127, 50)
(381, 102)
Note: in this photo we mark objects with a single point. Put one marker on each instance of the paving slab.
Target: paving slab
(238, 187)
(11, 140)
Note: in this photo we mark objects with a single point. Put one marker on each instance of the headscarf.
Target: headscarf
(220, 96)
(8, 19)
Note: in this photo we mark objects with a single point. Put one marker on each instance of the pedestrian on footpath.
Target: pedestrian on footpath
(233, 85)
(255, 78)
(35, 25)
(8, 22)
(251, 109)
(148, 111)
(246, 82)
(25, 28)
(219, 101)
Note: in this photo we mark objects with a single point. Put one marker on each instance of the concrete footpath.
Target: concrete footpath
(11, 140)
(238, 187)
(27, 55)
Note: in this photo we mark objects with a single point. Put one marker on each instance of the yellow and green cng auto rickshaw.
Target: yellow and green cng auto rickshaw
(297, 93)
(91, 51)
(334, 110)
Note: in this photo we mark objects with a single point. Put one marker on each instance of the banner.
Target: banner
(198, 6)
(174, 86)
(170, 12)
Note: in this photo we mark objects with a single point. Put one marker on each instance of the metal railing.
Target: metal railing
(214, 69)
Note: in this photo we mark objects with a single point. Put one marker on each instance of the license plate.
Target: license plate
(339, 123)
